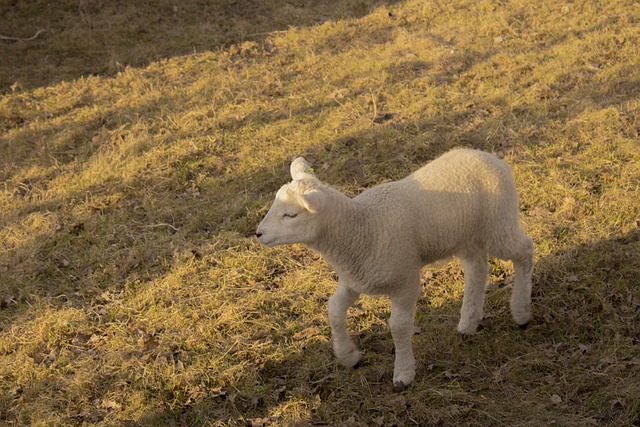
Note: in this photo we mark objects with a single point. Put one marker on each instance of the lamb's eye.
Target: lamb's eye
(290, 215)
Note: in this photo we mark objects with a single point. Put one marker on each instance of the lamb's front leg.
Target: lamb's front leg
(403, 308)
(343, 347)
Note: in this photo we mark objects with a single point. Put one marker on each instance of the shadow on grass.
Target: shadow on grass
(102, 37)
(575, 365)
(390, 149)
(586, 308)
(584, 297)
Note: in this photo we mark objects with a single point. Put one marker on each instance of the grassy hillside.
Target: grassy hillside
(132, 291)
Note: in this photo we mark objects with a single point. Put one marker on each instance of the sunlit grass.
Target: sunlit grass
(133, 293)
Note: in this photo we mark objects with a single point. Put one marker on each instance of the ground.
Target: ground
(142, 142)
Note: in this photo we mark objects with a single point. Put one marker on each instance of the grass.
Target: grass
(133, 293)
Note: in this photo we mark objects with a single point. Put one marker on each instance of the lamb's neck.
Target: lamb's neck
(345, 238)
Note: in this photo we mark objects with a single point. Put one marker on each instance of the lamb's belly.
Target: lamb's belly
(374, 284)
(431, 253)
(437, 258)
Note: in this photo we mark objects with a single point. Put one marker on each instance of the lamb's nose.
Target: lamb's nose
(258, 234)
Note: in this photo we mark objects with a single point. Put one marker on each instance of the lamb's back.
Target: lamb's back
(461, 197)
(464, 171)
(448, 203)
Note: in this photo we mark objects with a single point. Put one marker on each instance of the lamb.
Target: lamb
(463, 203)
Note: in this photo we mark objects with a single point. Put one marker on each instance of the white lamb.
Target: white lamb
(463, 203)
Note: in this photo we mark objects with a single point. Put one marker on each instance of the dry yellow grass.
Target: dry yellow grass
(133, 293)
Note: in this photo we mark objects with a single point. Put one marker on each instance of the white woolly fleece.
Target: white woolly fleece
(464, 203)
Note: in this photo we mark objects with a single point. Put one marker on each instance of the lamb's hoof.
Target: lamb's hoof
(469, 330)
(468, 333)
(521, 317)
(524, 326)
(399, 386)
(352, 359)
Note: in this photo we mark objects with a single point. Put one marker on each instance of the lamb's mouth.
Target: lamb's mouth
(268, 243)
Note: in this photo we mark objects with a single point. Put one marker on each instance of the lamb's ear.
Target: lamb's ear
(313, 200)
(300, 169)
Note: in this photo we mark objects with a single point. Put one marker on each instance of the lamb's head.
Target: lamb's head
(296, 214)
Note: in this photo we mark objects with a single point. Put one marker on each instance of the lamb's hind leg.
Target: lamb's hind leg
(518, 248)
(476, 272)
(522, 258)
(343, 346)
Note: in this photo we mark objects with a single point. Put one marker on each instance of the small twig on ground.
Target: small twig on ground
(163, 224)
(20, 39)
